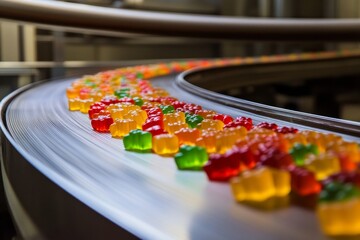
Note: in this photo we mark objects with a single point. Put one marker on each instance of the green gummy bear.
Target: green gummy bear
(191, 157)
(121, 93)
(139, 141)
(193, 120)
(139, 75)
(138, 101)
(299, 152)
(167, 109)
(89, 83)
(335, 192)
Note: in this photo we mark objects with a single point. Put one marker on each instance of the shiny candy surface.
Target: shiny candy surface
(153, 121)
(323, 165)
(139, 116)
(226, 139)
(339, 209)
(74, 104)
(191, 158)
(138, 140)
(165, 144)
(260, 184)
(188, 136)
(226, 119)
(122, 127)
(240, 122)
(102, 123)
(166, 109)
(95, 108)
(209, 124)
(222, 167)
(119, 111)
(300, 151)
(174, 127)
(303, 182)
(85, 105)
(101, 113)
(208, 141)
(193, 120)
(340, 218)
(174, 118)
(275, 158)
(282, 182)
(208, 114)
(155, 130)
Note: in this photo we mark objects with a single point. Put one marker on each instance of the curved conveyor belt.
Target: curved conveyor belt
(98, 190)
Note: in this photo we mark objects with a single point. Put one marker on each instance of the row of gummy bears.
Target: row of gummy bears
(260, 161)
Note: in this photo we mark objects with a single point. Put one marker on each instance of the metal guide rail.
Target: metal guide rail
(190, 25)
(205, 82)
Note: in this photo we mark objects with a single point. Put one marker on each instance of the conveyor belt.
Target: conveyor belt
(144, 194)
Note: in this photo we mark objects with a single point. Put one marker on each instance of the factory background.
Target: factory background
(30, 53)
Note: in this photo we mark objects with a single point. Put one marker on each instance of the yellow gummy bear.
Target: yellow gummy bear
(139, 116)
(85, 105)
(323, 165)
(260, 184)
(340, 218)
(228, 137)
(174, 117)
(165, 144)
(74, 104)
(122, 127)
(174, 127)
(209, 124)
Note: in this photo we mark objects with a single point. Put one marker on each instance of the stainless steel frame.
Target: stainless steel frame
(91, 17)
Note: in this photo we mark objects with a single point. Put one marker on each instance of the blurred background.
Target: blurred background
(30, 53)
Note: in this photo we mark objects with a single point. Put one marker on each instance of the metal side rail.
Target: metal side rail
(190, 25)
(202, 82)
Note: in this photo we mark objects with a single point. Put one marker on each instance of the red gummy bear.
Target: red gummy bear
(303, 182)
(153, 121)
(241, 121)
(275, 158)
(226, 119)
(285, 130)
(271, 126)
(95, 108)
(110, 100)
(222, 167)
(102, 123)
(155, 130)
